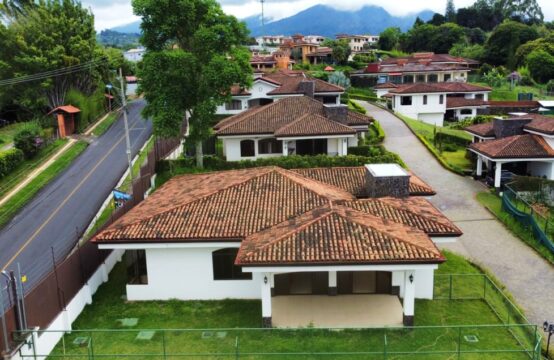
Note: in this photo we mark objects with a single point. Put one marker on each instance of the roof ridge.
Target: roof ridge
(294, 176)
(282, 128)
(266, 170)
(404, 227)
(542, 142)
(245, 115)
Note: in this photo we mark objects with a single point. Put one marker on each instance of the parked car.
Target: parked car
(505, 177)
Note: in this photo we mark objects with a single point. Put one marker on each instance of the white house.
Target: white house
(268, 87)
(298, 240)
(357, 42)
(297, 125)
(429, 102)
(521, 144)
(134, 55)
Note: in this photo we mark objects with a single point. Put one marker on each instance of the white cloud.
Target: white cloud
(112, 13)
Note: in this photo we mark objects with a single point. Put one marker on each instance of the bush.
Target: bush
(9, 160)
(29, 140)
(366, 150)
(550, 86)
(354, 106)
(92, 107)
(444, 138)
(449, 147)
(215, 163)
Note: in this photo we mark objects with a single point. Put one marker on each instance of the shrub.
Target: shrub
(91, 106)
(449, 147)
(340, 79)
(354, 106)
(9, 160)
(29, 140)
(445, 138)
(550, 86)
(366, 150)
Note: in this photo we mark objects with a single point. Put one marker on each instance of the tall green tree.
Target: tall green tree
(194, 55)
(341, 50)
(450, 12)
(541, 65)
(501, 47)
(526, 11)
(389, 39)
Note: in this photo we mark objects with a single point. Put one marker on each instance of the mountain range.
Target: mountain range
(322, 20)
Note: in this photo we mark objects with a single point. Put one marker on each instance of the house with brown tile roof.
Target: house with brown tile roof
(296, 125)
(268, 87)
(274, 234)
(521, 144)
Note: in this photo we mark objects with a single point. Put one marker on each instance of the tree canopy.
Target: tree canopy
(504, 41)
(341, 50)
(199, 50)
(389, 38)
(450, 13)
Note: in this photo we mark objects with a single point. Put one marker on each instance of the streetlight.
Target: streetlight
(548, 328)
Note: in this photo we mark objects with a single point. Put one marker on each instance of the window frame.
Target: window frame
(224, 268)
(425, 100)
(441, 99)
(405, 103)
(243, 152)
(274, 146)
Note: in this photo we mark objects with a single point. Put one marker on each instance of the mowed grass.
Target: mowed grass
(8, 132)
(241, 321)
(105, 124)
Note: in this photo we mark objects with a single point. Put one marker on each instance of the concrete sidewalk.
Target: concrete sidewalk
(486, 241)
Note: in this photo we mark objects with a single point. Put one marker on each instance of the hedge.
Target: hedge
(366, 150)
(9, 160)
(354, 106)
(445, 138)
(380, 133)
(215, 163)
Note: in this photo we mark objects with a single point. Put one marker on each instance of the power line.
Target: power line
(53, 73)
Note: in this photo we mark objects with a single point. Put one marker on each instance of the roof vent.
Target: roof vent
(307, 87)
(387, 180)
(509, 127)
(338, 113)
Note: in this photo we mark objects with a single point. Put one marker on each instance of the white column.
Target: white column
(332, 283)
(266, 299)
(479, 165)
(497, 174)
(285, 147)
(409, 297)
(256, 148)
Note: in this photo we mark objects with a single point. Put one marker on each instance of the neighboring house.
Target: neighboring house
(134, 55)
(268, 87)
(357, 42)
(314, 39)
(321, 55)
(272, 39)
(277, 60)
(298, 125)
(351, 240)
(418, 68)
(521, 144)
(429, 102)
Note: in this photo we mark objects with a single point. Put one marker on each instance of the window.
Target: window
(480, 96)
(247, 148)
(233, 105)
(405, 100)
(466, 112)
(420, 78)
(136, 267)
(408, 79)
(432, 78)
(441, 99)
(424, 99)
(223, 261)
(270, 146)
(395, 79)
(447, 77)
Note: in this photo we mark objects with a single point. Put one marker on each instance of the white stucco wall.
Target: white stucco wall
(258, 90)
(433, 119)
(540, 169)
(424, 282)
(187, 274)
(432, 112)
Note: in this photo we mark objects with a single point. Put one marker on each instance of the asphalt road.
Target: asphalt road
(67, 205)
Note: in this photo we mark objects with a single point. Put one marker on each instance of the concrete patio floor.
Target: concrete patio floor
(341, 311)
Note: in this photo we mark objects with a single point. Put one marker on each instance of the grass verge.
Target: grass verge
(106, 124)
(13, 205)
(454, 161)
(494, 204)
(241, 319)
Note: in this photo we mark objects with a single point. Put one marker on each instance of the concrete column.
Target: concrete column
(479, 166)
(272, 282)
(332, 290)
(256, 148)
(409, 297)
(266, 300)
(497, 174)
(285, 147)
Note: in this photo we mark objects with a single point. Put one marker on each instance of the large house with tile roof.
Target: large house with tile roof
(522, 144)
(290, 238)
(269, 87)
(298, 125)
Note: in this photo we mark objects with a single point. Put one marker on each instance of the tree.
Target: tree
(340, 48)
(464, 50)
(546, 44)
(446, 36)
(525, 11)
(418, 22)
(450, 13)
(419, 38)
(389, 39)
(476, 36)
(483, 14)
(494, 78)
(437, 19)
(338, 78)
(541, 65)
(200, 50)
(506, 38)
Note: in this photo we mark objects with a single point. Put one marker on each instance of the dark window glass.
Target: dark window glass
(233, 105)
(466, 111)
(408, 79)
(441, 99)
(420, 78)
(137, 273)
(432, 78)
(224, 267)
(447, 77)
(247, 148)
(395, 79)
(424, 99)
(270, 146)
(405, 100)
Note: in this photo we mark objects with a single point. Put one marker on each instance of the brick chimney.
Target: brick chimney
(387, 180)
(509, 127)
(338, 113)
(307, 87)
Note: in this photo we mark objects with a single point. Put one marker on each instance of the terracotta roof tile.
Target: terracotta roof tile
(387, 85)
(460, 102)
(483, 130)
(513, 147)
(446, 87)
(313, 124)
(540, 123)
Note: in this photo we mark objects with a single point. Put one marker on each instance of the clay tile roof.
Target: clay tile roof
(460, 102)
(447, 87)
(313, 124)
(353, 180)
(238, 91)
(387, 85)
(483, 130)
(329, 68)
(337, 235)
(69, 109)
(513, 147)
(289, 82)
(278, 116)
(541, 123)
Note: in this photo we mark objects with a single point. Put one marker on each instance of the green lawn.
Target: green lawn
(452, 160)
(241, 319)
(14, 204)
(503, 93)
(494, 204)
(8, 132)
(105, 124)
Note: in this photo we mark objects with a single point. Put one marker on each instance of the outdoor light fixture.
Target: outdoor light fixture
(411, 278)
(549, 329)
(265, 279)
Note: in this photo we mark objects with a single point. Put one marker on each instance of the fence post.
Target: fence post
(237, 347)
(163, 343)
(459, 342)
(385, 350)
(450, 288)
(485, 278)
(91, 345)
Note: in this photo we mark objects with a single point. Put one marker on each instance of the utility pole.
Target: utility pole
(127, 140)
(263, 25)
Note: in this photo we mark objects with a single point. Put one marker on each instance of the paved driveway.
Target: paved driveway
(485, 241)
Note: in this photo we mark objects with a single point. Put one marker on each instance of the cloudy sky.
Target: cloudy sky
(110, 13)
